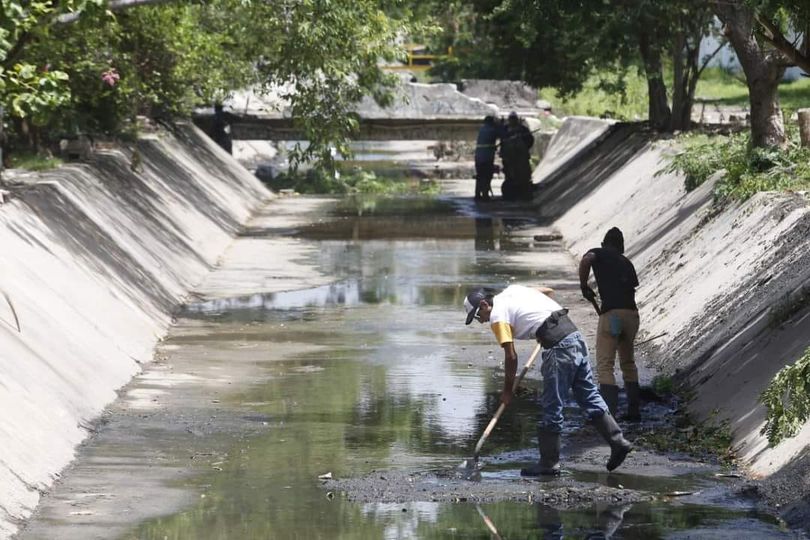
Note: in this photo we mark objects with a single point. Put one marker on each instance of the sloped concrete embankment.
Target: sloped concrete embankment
(729, 287)
(95, 259)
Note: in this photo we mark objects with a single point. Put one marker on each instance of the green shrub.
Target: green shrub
(320, 181)
(33, 162)
(663, 384)
(787, 399)
(746, 170)
(711, 437)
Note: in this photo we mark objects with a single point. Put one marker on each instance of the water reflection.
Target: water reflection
(644, 521)
(484, 234)
(395, 291)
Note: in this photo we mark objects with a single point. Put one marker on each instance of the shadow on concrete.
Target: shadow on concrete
(584, 173)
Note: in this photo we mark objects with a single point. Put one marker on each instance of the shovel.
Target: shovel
(471, 465)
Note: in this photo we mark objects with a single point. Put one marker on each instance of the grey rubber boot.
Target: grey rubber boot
(610, 393)
(610, 431)
(548, 443)
(633, 402)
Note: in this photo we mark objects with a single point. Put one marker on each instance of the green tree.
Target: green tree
(560, 44)
(31, 92)
(163, 59)
(757, 30)
(327, 54)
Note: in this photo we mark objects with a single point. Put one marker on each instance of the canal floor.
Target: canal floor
(321, 384)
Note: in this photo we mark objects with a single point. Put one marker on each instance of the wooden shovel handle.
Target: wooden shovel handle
(502, 406)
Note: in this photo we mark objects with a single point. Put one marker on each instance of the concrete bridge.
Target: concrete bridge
(435, 112)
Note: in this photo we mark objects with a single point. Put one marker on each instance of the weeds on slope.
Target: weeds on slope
(675, 430)
(746, 170)
(787, 399)
(319, 181)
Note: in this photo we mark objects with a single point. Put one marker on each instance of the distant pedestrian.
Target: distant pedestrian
(517, 170)
(527, 313)
(616, 280)
(222, 129)
(485, 146)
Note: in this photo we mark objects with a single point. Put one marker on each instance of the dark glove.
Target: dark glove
(588, 293)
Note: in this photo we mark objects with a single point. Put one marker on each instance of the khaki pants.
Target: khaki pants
(616, 333)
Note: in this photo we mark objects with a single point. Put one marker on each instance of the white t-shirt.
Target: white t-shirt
(518, 312)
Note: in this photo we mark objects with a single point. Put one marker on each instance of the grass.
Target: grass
(708, 439)
(746, 170)
(33, 162)
(604, 94)
(725, 88)
(625, 98)
(663, 385)
(354, 181)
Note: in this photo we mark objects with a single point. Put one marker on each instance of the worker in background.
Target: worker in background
(485, 146)
(616, 280)
(517, 169)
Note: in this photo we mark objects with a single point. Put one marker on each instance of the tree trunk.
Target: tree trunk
(767, 124)
(804, 127)
(685, 59)
(680, 76)
(659, 111)
(763, 72)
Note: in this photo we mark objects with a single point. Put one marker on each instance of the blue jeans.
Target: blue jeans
(566, 368)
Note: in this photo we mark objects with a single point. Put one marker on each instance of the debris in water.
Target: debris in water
(681, 493)
(551, 237)
(330, 495)
(327, 476)
(728, 475)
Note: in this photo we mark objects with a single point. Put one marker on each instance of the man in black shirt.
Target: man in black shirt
(618, 320)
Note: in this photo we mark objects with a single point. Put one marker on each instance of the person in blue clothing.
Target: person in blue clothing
(485, 147)
(521, 312)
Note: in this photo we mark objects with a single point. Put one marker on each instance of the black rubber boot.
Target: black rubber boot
(610, 431)
(548, 443)
(633, 402)
(610, 393)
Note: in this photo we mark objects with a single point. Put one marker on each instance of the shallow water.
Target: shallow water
(377, 372)
(394, 390)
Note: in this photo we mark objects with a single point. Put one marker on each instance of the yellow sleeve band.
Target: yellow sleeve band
(503, 332)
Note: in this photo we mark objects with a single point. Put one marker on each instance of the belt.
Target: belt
(554, 329)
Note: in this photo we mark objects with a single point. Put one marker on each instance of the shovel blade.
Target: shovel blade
(471, 469)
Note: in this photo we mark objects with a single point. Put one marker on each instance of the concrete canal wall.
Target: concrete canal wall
(731, 288)
(96, 257)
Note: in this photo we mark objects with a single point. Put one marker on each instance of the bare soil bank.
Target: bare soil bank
(725, 286)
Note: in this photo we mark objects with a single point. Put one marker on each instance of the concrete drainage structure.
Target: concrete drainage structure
(96, 257)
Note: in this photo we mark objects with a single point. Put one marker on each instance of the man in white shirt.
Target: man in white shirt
(526, 313)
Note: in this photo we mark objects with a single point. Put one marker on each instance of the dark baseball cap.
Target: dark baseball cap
(473, 300)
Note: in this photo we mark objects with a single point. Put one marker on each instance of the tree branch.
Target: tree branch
(773, 35)
(708, 59)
